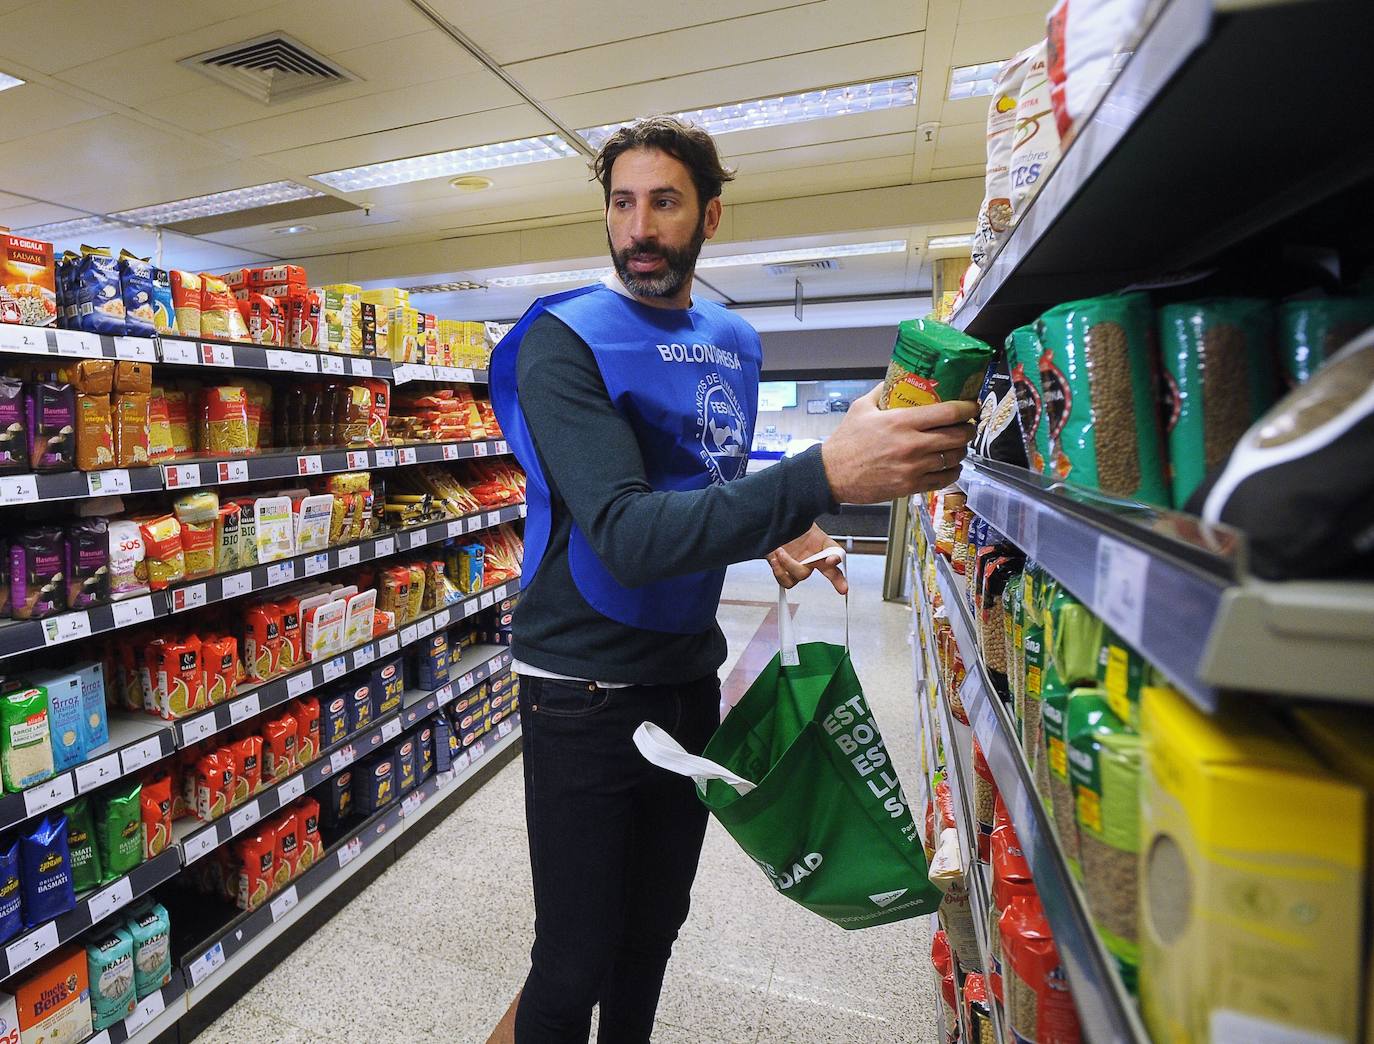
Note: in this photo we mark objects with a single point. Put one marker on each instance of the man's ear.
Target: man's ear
(713, 212)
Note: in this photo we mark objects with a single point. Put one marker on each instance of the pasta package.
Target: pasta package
(186, 291)
(220, 661)
(226, 412)
(247, 768)
(265, 319)
(155, 810)
(219, 313)
(133, 376)
(95, 440)
(178, 676)
(198, 513)
(163, 554)
(100, 300)
(131, 429)
(179, 420)
(227, 536)
(160, 448)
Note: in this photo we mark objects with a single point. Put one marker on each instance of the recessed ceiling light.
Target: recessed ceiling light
(949, 242)
(447, 164)
(788, 108)
(446, 288)
(7, 81)
(471, 183)
(73, 229)
(219, 203)
(291, 230)
(973, 81)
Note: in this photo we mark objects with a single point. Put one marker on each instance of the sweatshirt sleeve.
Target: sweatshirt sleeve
(593, 462)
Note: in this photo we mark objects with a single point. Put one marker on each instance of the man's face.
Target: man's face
(655, 224)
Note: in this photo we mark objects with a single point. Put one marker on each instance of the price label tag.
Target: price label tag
(149, 1008)
(350, 556)
(96, 773)
(308, 464)
(190, 597)
(455, 528)
(28, 339)
(66, 628)
(281, 573)
(1119, 593)
(493, 518)
(462, 761)
(334, 668)
(139, 349)
(316, 563)
(19, 955)
(290, 790)
(300, 684)
(133, 611)
(18, 489)
(415, 538)
(410, 803)
(180, 476)
(104, 903)
(388, 645)
(198, 844)
(445, 373)
(383, 546)
(1030, 529)
(985, 722)
(479, 449)
(342, 758)
(391, 729)
(443, 694)
(479, 747)
(280, 360)
(56, 791)
(465, 374)
(505, 727)
(363, 656)
(193, 730)
(236, 584)
(305, 362)
(79, 343)
(386, 458)
(331, 364)
(283, 904)
(232, 471)
(441, 619)
(488, 600)
(361, 367)
(406, 455)
(245, 817)
(145, 752)
(409, 635)
(450, 451)
(108, 483)
(244, 708)
(523, 509)
(183, 352)
(425, 627)
(467, 681)
(357, 459)
(103, 1037)
(209, 962)
(349, 852)
(502, 446)
(217, 354)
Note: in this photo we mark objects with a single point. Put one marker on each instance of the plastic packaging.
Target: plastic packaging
(1311, 331)
(932, 362)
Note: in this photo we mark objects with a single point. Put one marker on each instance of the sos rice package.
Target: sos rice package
(45, 870)
(127, 566)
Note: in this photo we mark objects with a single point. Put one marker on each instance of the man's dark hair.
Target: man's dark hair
(683, 141)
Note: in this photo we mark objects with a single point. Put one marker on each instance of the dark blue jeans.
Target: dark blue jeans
(614, 843)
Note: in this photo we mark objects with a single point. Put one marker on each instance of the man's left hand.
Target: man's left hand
(786, 561)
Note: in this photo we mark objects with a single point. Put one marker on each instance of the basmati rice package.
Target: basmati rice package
(45, 870)
(151, 930)
(25, 742)
(81, 847)
(119, 830)
(1035, 150)
(186, 291)
(110, 962)
(11, 903)
(88, 558)
(1087, 41)
(50, 414)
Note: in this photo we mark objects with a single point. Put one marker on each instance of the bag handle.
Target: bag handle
(787, 640)
(659, 748)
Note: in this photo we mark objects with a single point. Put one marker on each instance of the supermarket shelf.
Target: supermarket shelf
(246, 936)
(484, 661)
(155, 1014)
(134, 742)
(1105, 1009)
(183, 351)
(1177, 591)
(405, 372)
(1184, 98)
(31, 635)
(90, 908)
(77, 485)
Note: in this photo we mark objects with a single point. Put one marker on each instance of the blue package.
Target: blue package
(45, 871)
(100, 299)
(408, 763)
(66, 291)
(164, 314)
(443, 751)
(65, 714)
(374, 783)
(96, 725)
(136, 287)
(11, 917)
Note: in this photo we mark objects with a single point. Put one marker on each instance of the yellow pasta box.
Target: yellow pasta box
(1251, 884)
(404, 335)
(338, 317)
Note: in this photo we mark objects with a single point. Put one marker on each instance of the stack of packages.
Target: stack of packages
(442, 415)
(503, 552)
(264, 860)
(275, 304)
(495, 483)
(426, 494)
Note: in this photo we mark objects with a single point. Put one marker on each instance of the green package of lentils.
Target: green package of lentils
(1313, 330)
(1023, 356)
(1097, 371)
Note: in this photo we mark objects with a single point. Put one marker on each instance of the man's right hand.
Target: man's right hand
(876, 455)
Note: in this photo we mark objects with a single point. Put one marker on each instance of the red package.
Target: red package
(214, 785)
(257, 857)
(1032, 965)
(306, 711)
(265, 319)
(279, 748)
(262, 646)
(312, 845)
(247, 768)
(155, 803)
(286, 834)
(289, 624)
(220, 660)
(278, 275)
(379, 412)
(184, 781)
(303, 320)
(236, 280)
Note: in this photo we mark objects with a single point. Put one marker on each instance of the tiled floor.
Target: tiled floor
(436, 948)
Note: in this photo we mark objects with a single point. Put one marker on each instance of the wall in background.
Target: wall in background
(799, 424)
(864, 347)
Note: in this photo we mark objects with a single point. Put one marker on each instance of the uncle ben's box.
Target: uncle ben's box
(55, 1000)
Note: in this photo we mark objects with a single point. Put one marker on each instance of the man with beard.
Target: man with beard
(631, 406)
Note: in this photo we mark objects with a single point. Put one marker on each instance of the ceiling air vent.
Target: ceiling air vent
(788, 268)
(270, 69)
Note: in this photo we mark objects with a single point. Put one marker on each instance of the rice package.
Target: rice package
(100, 298)
(136, 287)
(1035, 149)
(1087, 43)
(50, 418)
(14, 437)
(25, 742)
(164, 312)
(11, 902)
(65, 712)
(1097, 372)
(999, 430)
(932, 362)
(81, 847)
(127, 567)
(95, 438)
(151, 930)
(88, 562)
(54, 999)
(1311, 331)
(119, 830)
(995, 214)
(130, 421)
(45, 870)
(110, 964)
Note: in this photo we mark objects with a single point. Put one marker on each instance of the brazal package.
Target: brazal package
(110, 965)
(151, 929)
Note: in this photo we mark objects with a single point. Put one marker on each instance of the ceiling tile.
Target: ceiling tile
(34, 107)
(961, 144)
(996, 38)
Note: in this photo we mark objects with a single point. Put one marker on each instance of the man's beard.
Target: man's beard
(679, 265)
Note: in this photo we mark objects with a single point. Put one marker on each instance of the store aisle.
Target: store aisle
(436, 947)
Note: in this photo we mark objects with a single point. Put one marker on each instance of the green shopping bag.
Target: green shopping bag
(826, 820)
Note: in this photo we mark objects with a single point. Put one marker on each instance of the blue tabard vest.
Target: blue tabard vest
(687, 383)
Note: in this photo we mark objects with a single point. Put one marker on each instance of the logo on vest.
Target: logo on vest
(720, 428)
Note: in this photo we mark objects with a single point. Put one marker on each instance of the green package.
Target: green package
(1023, 356)
(1122, 673)
(1310, 332)
(110, 961)
(119, 831)
(1099, 379)
(1066, 711)
(25, 740)
(1219, 380)
(81, 844)
(1037, 584)
(1011, 634)
(932, 362)
(1073, 638)
(1104, 767)
(151, 928)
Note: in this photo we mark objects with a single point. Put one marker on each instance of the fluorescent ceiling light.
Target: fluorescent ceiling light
(788, 108)
(219, 203)
(948, 242)
(447, 164)
(7, 81)
(769, 257)
(66, 231)
(446, 288)
(973, 81)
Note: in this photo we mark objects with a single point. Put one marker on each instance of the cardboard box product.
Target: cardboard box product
(28, 282)
(375, 783)
(54, 1000)
(334, 718)
(338, 799)
(66, 711)
(338, 316)
(1251, 884)
(360, 704)
(407, 765)
(432, 662)
(387, 684)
